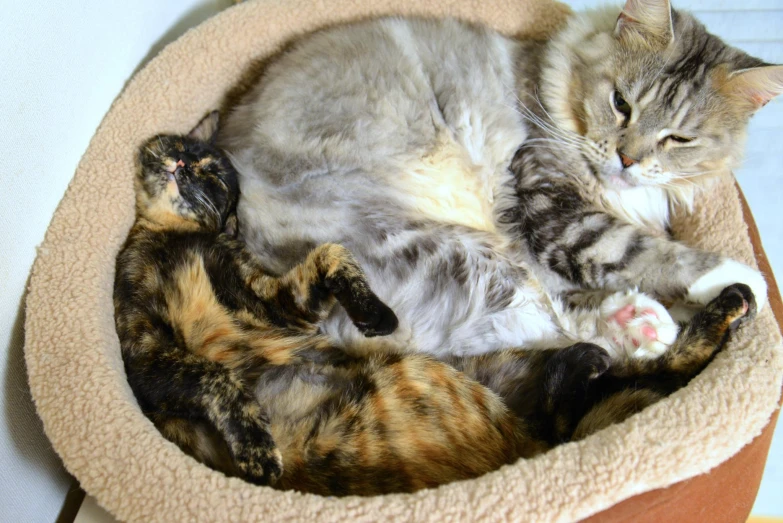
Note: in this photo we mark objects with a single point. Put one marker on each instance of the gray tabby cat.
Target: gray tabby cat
(394, 137)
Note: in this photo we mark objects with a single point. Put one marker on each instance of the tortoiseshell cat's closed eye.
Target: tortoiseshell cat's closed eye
(229, 364)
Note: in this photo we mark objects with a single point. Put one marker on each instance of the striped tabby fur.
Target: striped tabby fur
(394, 138)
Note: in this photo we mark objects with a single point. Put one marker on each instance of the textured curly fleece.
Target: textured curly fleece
(90, 415)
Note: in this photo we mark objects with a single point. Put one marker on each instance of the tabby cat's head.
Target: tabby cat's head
(185, 182)
(649, 97)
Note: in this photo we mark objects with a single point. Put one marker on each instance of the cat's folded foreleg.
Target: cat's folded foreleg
(307, 293)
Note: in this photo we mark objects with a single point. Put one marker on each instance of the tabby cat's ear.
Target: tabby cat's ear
(206, 129)
(646, 21)
(754, 87)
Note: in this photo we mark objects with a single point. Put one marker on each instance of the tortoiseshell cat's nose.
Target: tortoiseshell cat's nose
(627, 161)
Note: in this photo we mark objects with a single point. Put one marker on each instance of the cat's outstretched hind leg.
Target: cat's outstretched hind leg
(546, 389)
(568, 375)
(709, 329)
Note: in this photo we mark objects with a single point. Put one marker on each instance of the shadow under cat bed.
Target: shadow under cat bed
(90, 413)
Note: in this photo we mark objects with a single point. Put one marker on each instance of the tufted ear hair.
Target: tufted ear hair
(646, 21)
(206, 129)
(754, 87)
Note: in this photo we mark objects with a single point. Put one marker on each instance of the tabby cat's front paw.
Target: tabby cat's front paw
(728, 272)
(636, 325)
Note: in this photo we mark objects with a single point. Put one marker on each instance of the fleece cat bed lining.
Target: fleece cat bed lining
(89, 412)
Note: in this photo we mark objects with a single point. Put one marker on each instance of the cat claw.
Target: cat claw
(637, 326)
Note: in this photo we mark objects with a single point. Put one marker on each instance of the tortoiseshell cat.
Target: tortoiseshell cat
(203, 328)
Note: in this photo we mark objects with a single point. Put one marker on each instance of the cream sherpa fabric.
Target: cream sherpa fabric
(90, 415)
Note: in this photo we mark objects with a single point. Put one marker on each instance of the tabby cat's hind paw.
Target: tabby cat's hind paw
(636, 325)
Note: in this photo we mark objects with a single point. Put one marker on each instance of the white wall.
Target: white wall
(61, 66)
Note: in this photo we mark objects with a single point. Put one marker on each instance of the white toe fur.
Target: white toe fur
(727, 273)
(631, 339)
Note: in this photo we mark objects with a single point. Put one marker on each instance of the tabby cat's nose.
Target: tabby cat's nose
(626, 160)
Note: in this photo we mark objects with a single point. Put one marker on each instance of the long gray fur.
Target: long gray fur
(394, 137)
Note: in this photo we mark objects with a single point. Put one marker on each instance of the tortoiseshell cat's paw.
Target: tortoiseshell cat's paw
(569, 369)
(736, 303)
(636, 325)
(253, 449)
(728, 272)
(375, 318)
(258, 463)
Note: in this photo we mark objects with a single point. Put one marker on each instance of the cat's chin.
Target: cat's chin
(614, 179)
(618, 182)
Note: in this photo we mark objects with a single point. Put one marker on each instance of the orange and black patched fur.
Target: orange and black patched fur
(228, 362)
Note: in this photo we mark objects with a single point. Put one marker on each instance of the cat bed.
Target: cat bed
(90, 415)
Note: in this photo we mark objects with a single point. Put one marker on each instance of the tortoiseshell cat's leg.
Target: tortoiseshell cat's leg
(188, 386)
(540, 387)
(567, 394)
(307, 292)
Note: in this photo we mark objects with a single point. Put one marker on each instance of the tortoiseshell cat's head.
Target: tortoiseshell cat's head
(186, 182)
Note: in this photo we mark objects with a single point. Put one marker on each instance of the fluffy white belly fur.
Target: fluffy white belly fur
(448, 188)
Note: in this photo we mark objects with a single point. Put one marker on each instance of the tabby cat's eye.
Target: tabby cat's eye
(620, 104)
(679, 139)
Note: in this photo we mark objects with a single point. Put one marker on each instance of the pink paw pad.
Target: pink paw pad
(628, 313)
(649, 312)
(649, 332)
(624, 315)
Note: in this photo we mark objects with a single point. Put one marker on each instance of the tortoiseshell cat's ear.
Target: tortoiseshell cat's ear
(206, 129)
(646, 21)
